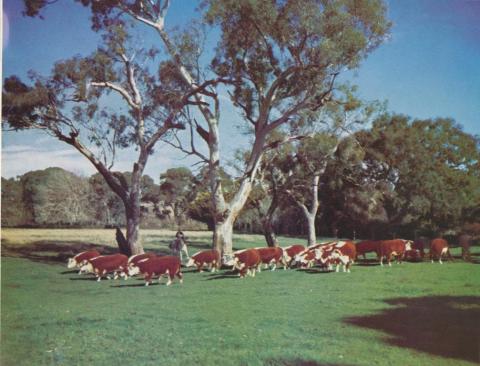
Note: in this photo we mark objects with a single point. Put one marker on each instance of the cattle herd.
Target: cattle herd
(249, 261)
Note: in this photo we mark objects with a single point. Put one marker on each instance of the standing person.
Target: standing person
(178, 245)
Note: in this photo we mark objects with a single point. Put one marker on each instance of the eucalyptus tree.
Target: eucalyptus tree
(275, 59)
(429, 169)
(99, 104)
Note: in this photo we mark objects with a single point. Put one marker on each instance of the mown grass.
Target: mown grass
(410, 314)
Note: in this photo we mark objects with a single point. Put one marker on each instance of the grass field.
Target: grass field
(410, 314)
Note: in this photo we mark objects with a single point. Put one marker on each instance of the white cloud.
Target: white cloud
(20, 159)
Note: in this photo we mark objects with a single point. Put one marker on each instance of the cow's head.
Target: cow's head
(72, 263)
(408, 245)
(191, 262)
(87, 268)
(133, 270)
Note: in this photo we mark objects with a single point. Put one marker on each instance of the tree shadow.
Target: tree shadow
(445, 326)
(48, 251)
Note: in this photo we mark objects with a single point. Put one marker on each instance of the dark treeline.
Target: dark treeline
(400, 178)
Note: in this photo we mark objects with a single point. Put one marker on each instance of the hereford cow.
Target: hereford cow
(419, 245)
(339, 253)
(290, 252)
(394, 248)
(439, 248)
(157, 267)
(105, 264)
(271, 256)
(465, 241)
(81, 259)
(134, 259)
(209, 257)
(307, 258)
(246, 261)
(368, 246)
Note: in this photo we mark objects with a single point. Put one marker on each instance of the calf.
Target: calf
(438, 248)
(246, 261)
(290, 252)
(395, 247)
(368, 246)
(271, 256)
(158, 266)
(105, 264)
(81, 259)
(209, 257)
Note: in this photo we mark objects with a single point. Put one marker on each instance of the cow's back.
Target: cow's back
(394, 245)
(437, 245)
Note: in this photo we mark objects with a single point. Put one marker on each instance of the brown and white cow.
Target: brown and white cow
(106, 264)
(271, 256)
(290, 252)
(368, 246)
(81, 259)
(134, 259)
(439, 248)
(245, 261)
(307, 258)
(394, 248)
(339, 253)
(157, 267)
(211, 258)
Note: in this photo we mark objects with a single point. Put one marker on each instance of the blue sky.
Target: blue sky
(430, 67)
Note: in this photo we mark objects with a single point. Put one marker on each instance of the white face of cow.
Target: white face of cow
(408, 245)
(231, 262)
(72, 263)
(190, 263)
(87, 268)
(133, 270)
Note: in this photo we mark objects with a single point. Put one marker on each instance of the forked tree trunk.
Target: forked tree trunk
(132, 211)
(269, 233)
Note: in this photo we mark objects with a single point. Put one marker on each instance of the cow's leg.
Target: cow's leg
(169, 277)
(274, 265)
(147, 277)
(389, 260)
(450, 257)
(180, 276)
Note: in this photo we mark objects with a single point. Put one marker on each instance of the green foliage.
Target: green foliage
(57, 197)
(14, 212)
(291, 48)
(429, 169)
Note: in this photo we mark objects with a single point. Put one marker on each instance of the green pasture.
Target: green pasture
(410, 314)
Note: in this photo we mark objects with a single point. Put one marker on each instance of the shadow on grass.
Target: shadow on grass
(314, 270)
(445, 326)
(138, 285)
(84, 278)
(52, 251)
(222, 276)
(47, 251)
(298, 362)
